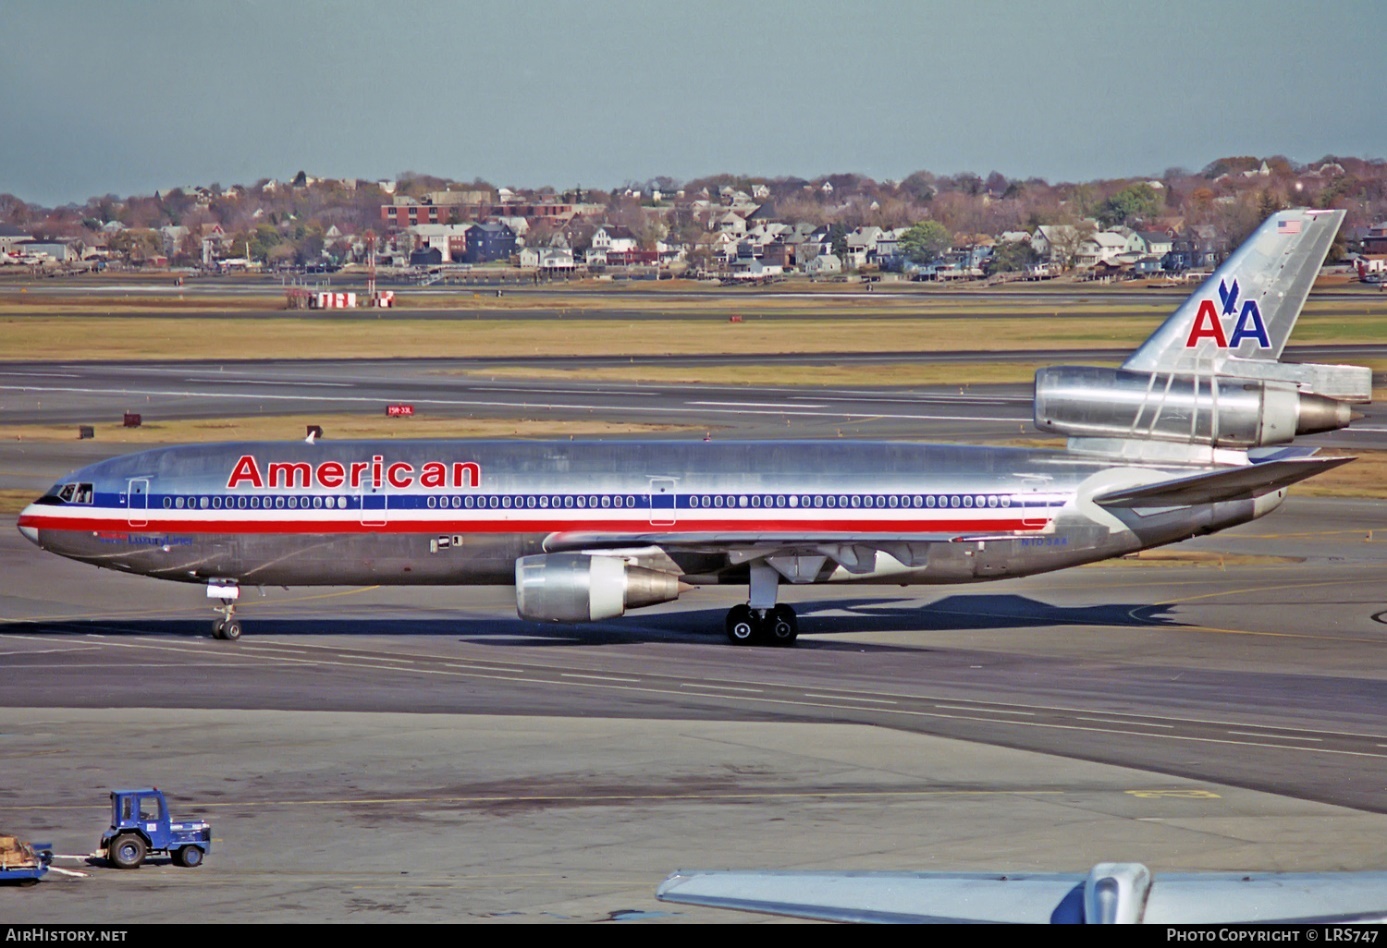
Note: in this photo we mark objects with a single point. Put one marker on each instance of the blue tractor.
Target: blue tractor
(141, 827)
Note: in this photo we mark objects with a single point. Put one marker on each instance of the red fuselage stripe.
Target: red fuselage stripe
(398, 523)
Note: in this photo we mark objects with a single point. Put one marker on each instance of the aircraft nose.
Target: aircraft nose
(31, 533)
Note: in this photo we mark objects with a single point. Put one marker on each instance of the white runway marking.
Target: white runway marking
(751, 404)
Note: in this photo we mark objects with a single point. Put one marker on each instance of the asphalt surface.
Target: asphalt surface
(424, 755)
(87, 393)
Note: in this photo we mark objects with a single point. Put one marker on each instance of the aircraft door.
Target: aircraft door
(662, 502)
(137, 502)
(374, 506)
(1033, 515)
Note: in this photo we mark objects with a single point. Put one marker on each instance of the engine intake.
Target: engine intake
(1088, 402)
(576, 587)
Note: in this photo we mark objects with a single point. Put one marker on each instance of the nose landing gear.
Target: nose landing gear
(225, 595)
(226, 628)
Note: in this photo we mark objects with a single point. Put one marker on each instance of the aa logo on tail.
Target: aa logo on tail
(1208, 322)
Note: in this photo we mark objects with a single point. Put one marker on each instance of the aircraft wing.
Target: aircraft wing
(723, 542)
(1239, 483)
(798, 557)
(1110, 893)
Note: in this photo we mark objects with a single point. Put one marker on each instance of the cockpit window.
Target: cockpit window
(69, 494)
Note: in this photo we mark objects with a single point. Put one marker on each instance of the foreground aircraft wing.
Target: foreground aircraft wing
(1110, 893)
(1240, 483)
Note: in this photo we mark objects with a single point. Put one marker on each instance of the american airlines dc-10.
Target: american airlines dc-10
(1191, 435)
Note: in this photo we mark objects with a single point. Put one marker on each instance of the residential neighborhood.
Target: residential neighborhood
(940, 228)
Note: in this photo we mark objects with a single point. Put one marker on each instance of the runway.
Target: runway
(507, 764)
(424, 755)
(84, 393)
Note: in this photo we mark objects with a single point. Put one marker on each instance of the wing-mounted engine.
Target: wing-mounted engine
(1212, 411)
(577, 587)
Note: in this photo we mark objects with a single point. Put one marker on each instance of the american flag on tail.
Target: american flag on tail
(1288, 227)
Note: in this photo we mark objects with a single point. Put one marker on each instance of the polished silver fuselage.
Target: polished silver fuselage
(463, 512)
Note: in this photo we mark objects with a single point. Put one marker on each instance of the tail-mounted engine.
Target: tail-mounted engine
(1221, 411)
(576, 587)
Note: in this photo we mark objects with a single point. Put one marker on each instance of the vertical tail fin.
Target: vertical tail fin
(1209, 386)
(1247, 309)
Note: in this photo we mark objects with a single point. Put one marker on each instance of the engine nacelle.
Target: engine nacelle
(577, 587)
(1087, 402)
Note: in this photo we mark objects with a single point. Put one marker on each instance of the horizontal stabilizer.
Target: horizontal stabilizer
(1239, 483)
(1345, 383)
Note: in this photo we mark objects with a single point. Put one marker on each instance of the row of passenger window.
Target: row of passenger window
(706, 501)
(849, 500)
(494, 501)
(591, 501)
(242, 502)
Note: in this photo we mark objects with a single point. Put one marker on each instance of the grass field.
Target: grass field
(75, 326)
(87, 338)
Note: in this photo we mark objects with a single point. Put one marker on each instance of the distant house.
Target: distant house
(425, 257)
(614, 237)
(1050, 241)
(450, 240)
(11, 238)
(754, 269)
(862, 247)
(1147, 242)
(1146, 266)
(1375, 240)
(720, 246)
(1103, 247)
(671, 252)
(633, 258)
(889, 255)
(547, 258)
(765, 213)
(732, 223)
(778, 254)
(1196, 249)
(173, 237)
(489, 242)
(816, 242)
(824, 264)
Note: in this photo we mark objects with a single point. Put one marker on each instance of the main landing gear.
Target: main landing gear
(761, 621)
(226, 626)
(775, 626)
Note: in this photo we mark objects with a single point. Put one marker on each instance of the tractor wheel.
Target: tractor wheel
(127, 851)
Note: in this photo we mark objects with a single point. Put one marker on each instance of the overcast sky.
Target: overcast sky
(104, 97)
